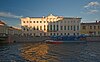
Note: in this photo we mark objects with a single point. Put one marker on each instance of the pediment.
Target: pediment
(51, 16)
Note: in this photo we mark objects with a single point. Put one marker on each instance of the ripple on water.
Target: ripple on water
(41, 52)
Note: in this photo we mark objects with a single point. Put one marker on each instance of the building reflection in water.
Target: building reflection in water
(38, 53)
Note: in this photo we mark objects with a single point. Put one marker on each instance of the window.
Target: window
(40, 27)
(47, 27)
(54, 34)
(77, 27)
(64, 27)
(83, 27)
(30, 26)
(33, 28)
(23, 28)
(77, 33)
(23, 21)
(27, 30)
(99, 32)
(94, 32)
(44, 34)
(51, 34)
(26, 26)
(33, 21)
(50, 27)
(34, 34)
(61, 34)
(44, 27)
(74, 28)
(68, 27)
(31, 34)
(73, 33)
(90, 27)
(61, 21)
(94, 27)
(57, 33)
(61, 27)
(57, 21)
(57, 28)
(30, 21)
(54, 27)
(64, 21)
(44, 21)
(40, 34)
(68, 34)
(71, 27)
(37, 28)
(64, 33)
(71, 21)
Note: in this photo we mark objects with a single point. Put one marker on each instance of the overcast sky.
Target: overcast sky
(12, 10)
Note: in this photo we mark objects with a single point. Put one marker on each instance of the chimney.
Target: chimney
(96, 21)
(43, 16)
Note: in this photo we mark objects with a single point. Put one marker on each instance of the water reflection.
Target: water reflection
(42, 52)
(37, 52)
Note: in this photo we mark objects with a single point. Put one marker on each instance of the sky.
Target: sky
(12, 10)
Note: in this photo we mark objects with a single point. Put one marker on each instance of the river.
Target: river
(42, 52)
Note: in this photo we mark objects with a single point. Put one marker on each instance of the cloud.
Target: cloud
(92, 8)
(92, 11)
(6, 14)
(92, 4)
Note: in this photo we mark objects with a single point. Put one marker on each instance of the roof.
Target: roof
(92, 23)
(72, 18)
(55, 16)
(11, 27)
(1, 22)
(35, 17)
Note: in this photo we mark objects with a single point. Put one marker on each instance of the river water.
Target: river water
(42, 52)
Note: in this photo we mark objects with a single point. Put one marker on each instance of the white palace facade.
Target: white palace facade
(50, 25)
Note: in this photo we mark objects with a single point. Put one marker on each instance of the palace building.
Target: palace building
(50, 25)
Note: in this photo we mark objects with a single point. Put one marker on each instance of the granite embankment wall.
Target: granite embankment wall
(93, 39)
(16, 38)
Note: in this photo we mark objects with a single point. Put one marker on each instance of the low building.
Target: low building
(50, 25)
(92, 28)
(3, 27)
(14, 31)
